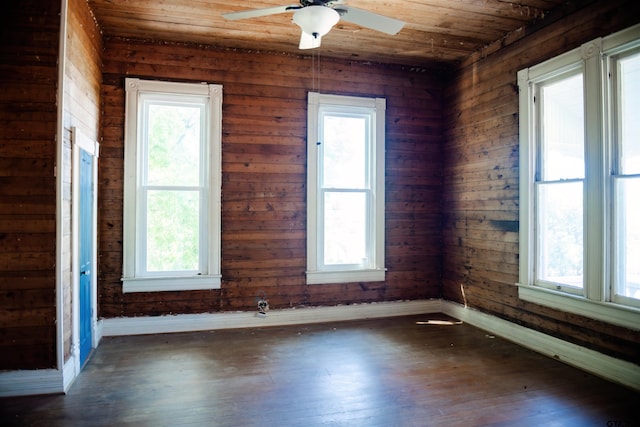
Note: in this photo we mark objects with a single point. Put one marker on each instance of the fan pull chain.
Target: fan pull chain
(318, 73)
(315, 73)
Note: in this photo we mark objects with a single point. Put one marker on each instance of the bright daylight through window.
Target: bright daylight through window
(580, 180)
(345, 189)
(172, 186)
(627, 178)
(559, 186)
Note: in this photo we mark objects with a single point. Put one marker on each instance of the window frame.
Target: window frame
(595, 300)
(317, 273)
(208, 275)
(618, 176)
(540, 165)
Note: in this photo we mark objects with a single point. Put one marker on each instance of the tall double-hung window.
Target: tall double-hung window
(580, 180)
(345, 184)
(172, 186)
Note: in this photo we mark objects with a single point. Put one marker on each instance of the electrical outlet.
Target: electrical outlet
(263, 305)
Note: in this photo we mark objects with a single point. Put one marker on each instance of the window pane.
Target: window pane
(344, 151)
(173, 134)
(627, 203)
(345, 228)
(172, 230)
(629, 115)
(559, 254)
(562, 129)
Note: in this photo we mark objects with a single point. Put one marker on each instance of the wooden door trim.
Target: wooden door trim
(82, 142)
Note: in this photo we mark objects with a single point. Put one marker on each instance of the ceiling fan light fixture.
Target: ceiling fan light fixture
(316, 20)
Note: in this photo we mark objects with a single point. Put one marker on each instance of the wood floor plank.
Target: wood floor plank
(376, 372)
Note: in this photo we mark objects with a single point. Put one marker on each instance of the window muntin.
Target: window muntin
(561, 199)
(627, 247)
(344, 230)
(626, 177)
(628, 112)
(561, 105)
(170, 236)
(345, 187)
(345, 147)
(172, 186)
(174, 139)
(559, 251)
(345, 221)
(172, 191)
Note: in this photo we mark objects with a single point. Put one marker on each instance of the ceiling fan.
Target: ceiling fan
(317, 17)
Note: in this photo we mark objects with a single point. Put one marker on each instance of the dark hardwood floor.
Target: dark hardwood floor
(381, 372)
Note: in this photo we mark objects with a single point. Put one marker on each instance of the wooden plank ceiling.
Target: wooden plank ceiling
(435, 30)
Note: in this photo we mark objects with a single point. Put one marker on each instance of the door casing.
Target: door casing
(82, 144)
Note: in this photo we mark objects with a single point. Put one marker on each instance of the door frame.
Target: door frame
(82, 142)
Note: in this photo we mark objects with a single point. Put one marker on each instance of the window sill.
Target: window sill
(628, 317)
(163, 284)
(319, 277)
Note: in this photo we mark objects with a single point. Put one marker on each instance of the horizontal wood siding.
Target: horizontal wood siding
(264, 175)
(481, 180)
(28, 79)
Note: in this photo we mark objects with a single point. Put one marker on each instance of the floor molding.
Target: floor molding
(52, 381)
(32, 382)
(38, 381)
(26, 383)
(70, 372)
(607, 367)
(243, 319)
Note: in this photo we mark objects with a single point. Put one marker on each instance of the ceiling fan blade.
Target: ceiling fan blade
(369, 19)
(307, 41)
(255, 13)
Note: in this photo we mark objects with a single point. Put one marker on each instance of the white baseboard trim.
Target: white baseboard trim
(70, 372)
(97, 333)
(53, 381)
(32, 382)
(607, 367)
(38, 381)
(236, 320)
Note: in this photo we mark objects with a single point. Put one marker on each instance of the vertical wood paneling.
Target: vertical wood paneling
(83, 77)
(264, 176)
(481, 181)
(29, 38)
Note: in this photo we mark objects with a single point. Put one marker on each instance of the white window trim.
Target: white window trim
(212, 279)
(595, 301)
(313, 273)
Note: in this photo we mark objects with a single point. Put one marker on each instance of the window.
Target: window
(580, 180)
(345, 182)
(560, 181)
(172, 186)
(626, 177)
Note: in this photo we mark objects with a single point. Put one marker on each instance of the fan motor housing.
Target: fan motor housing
(305, 3)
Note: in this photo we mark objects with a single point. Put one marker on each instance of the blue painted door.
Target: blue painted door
(85, 252)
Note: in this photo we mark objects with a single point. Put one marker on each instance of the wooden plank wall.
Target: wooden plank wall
(83, 78)
(29, 39)
(481, 179)
(264, 166)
